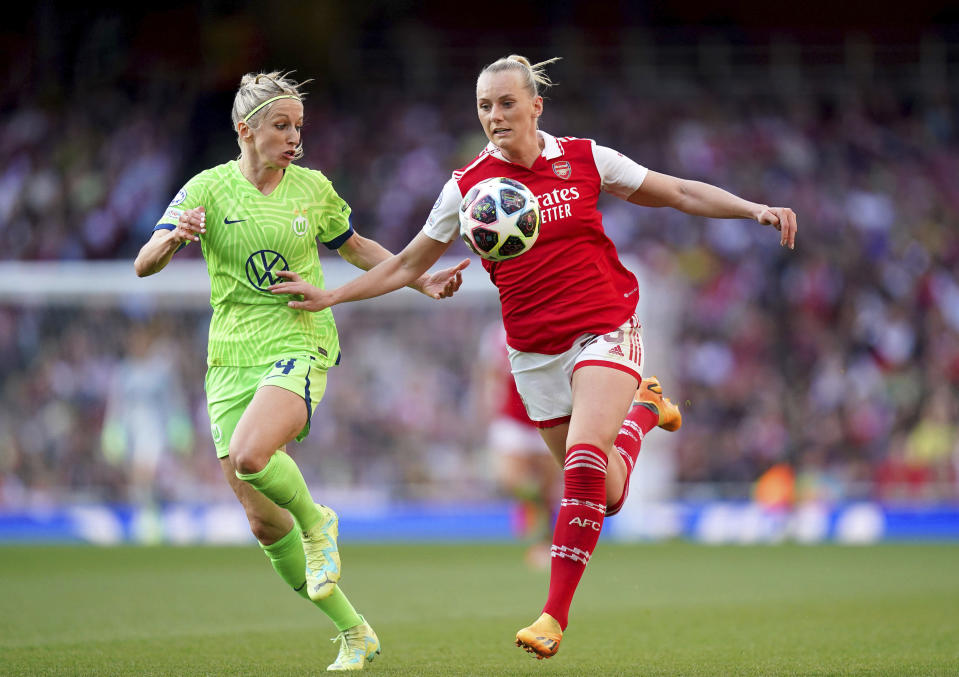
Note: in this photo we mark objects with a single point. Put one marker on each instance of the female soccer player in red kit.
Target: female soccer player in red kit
(568, 307)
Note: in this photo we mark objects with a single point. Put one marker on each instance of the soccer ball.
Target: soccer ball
(499, 219)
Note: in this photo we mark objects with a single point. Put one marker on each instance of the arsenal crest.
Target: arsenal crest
(562, 169)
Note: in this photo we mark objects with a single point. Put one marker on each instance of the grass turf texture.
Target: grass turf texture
(662, 609)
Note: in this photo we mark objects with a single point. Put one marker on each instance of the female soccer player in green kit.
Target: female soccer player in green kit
(267, 363)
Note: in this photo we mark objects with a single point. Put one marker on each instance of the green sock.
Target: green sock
(339, 609)
(281, 482)
(288, 560)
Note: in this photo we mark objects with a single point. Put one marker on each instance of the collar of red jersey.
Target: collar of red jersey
(551, 149)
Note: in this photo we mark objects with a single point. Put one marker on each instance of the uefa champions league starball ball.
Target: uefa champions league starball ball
(499, 219)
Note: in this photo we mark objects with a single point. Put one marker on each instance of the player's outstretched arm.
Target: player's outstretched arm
(161, 247)
(392, 273)
(365, 254)
(703, 199)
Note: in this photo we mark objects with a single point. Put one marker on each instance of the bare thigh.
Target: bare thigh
(274, 417)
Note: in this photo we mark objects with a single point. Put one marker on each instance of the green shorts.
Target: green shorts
(229, 391)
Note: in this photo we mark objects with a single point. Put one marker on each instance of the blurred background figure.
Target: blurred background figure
(146, 420)
(521, 464)
(933, 444)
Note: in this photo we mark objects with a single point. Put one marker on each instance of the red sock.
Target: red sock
(578, 525)
(639, 421)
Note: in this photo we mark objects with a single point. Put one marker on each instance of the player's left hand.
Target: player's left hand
(444, 283)
(314, 298)
(782, 219)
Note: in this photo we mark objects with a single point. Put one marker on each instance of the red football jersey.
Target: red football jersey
(571, 281)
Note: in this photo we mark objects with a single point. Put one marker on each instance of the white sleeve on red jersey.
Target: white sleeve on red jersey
(620, 175)
(443, 223)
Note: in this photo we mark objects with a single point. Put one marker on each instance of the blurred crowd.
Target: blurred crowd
(839, 360)
(108, 404)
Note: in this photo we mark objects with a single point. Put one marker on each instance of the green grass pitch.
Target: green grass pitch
(654, 609)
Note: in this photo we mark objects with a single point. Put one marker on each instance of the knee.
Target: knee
(246, 458)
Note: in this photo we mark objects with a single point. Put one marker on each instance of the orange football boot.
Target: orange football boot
(651, 393)
(542, 638)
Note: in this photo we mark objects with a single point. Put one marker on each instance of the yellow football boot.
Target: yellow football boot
(322, 555)
(358, 646)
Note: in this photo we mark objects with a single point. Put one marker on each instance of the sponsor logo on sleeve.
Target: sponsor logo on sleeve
(431, 219)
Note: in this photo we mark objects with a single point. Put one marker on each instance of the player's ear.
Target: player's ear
(244, 131)
(538, 106)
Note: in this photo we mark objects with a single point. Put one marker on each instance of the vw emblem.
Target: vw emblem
(260, 268)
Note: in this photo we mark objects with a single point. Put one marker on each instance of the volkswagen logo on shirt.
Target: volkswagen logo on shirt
(261, 268)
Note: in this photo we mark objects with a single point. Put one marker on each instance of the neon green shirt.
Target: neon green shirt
(248, 237)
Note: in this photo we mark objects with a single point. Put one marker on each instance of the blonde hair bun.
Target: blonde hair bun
(535, 79)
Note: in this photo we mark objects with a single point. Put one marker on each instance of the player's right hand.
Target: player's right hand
(314, 298)
(190, 225)
(444, 283)
(782, 219)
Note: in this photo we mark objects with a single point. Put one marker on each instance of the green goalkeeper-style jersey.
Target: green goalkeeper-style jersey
(249, 236)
